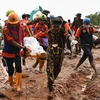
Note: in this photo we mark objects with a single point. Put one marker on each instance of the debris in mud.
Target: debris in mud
(70, 89)
(4, 97)
(70, 84)
(93, 89)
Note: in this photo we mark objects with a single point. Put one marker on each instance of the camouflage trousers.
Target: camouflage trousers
(54, 63)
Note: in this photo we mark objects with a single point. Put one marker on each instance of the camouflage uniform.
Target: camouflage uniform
(55, 54)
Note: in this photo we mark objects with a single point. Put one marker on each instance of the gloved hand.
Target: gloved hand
(25, 51)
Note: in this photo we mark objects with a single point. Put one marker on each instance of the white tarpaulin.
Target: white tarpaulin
(33, 44)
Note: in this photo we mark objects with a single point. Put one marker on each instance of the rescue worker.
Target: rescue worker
(13, 36)
(78, 21)
(86, 39)
(41, 30)
(24, 21)
(25, 18)
(55, 51)
(34, 22)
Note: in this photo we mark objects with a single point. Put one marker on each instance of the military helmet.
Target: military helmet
(56, 21)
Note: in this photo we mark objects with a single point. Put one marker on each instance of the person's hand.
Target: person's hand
(26, 50)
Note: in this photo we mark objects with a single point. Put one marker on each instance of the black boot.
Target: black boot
(50, 86)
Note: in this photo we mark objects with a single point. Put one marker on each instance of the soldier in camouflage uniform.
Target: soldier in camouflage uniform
(55, 51)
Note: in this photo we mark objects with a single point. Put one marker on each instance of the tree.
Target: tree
(95, 18)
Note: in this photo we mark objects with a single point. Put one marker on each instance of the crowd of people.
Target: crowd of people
(54, 34)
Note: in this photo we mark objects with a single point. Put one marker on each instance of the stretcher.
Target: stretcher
(36, 49)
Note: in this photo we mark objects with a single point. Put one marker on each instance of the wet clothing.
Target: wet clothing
(86, 39)
(87, 53)
(55, 54)
(10, 61)
(10, 52)
(10, 34)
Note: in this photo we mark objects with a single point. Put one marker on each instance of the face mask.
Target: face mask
(88, 26)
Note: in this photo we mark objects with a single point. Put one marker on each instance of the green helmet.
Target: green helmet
(43, 17)
(56, 21)
(9, 11)
(37, 16)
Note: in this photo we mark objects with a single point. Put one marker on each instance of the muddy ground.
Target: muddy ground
(70, 84)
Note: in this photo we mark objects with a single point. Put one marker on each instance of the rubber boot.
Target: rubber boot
(50, 86)
(41, 64)
(36, 63)
(11, 83)
(18, 81)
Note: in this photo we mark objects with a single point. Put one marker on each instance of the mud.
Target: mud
(70, 84)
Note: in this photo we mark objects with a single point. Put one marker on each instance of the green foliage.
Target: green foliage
(95, 18)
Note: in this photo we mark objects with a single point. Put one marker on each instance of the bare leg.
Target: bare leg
(36, 63)
(93, 66)
(41, 64)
